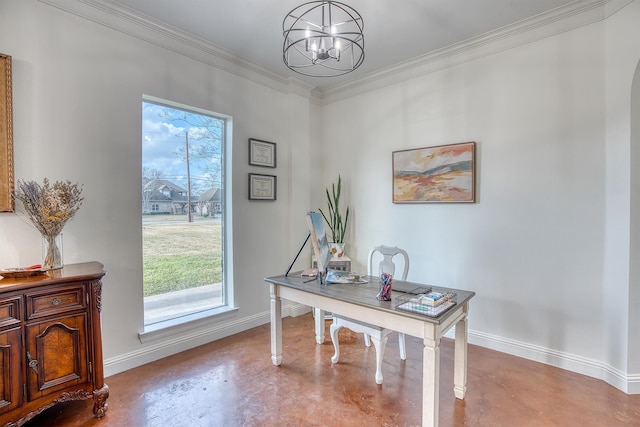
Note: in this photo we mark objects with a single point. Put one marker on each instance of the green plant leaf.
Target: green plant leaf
(333, 217)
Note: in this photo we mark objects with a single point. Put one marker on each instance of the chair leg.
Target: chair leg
(367, 340)
(336, 344)
(403, 348)
(380, 345)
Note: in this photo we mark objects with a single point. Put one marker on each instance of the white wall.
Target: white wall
(547, 240)
(623, 158)
(634, 282)
(77, 91)
(618, 238)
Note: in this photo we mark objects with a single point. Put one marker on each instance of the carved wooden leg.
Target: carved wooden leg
(430, 382)
(403, 347)
(336, 344)
(276, 326)
(380, 344)
(100, 397)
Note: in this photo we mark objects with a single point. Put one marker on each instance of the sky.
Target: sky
(163, 144)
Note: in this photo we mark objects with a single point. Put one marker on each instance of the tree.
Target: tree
(205, 135)
(151, 173)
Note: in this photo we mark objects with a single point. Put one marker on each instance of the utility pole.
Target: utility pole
(186, 142)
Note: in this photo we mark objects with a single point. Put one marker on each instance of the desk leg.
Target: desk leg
(276, 326)
(319, 322)
(430, 383)
(460, 363)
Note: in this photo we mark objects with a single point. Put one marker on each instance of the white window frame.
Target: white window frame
(180, 325)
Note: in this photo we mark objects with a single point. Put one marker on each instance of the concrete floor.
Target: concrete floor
(232, 382)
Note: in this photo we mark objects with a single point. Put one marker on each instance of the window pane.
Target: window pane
(182, 224)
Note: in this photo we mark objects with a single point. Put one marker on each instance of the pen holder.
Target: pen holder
(385, 287)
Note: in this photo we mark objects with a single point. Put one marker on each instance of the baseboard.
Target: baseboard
(294, 309)
(198, 336)
(184, 341)
(633, 382)
(629, 384)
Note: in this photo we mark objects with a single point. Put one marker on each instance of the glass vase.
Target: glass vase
(386, 280)
(52, 251)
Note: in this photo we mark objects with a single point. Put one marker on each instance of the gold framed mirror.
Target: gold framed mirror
(6, 136)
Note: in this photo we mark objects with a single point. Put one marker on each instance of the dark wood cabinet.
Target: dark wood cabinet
(51, 342)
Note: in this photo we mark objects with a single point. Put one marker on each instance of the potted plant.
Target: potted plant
(336, 222)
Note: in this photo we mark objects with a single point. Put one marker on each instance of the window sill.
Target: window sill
(180, 325)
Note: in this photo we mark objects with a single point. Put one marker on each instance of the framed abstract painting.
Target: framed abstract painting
(440, 174)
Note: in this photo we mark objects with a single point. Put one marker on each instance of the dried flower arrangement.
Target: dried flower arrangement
(49, 207)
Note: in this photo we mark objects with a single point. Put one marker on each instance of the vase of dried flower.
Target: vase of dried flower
(52, 251)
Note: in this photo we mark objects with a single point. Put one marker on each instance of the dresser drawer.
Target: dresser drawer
(55, 301)
(10, 311)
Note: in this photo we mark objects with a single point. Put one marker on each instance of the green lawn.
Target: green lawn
(180, 255)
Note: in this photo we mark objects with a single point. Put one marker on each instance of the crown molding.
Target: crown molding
(565, 18)
(556, 21)
(125, 20)
(612, 6)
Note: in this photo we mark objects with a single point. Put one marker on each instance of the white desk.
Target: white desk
(359, 302)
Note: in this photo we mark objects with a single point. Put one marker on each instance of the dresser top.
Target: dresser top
(69, 273)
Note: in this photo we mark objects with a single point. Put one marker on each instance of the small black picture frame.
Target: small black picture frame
(262, 187)
(262, 153)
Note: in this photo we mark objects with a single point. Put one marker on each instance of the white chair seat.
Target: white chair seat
(373, 333)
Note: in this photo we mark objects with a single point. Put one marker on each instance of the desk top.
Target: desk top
(365, 294)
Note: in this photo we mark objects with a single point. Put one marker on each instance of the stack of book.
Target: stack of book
(431, 303)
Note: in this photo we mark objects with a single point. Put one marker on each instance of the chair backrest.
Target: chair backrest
(387, 265)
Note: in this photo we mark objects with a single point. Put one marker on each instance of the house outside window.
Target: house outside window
(183, 176)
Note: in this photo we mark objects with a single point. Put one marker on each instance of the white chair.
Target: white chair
(374, 333)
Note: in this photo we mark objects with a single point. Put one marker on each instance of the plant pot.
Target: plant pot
(336, 249)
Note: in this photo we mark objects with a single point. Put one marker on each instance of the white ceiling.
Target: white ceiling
(394, 30)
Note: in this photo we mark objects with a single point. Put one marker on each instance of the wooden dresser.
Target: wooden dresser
(51, 342)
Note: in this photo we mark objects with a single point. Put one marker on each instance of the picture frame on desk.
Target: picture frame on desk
(262, 153)
(319, 242)
(6, 136)
(262, 187)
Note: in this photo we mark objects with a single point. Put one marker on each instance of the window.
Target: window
(183, 211)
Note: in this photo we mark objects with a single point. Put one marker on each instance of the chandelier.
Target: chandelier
(323, 39)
